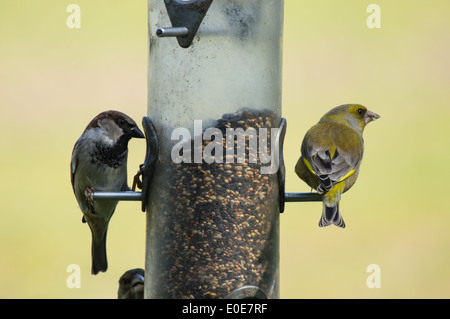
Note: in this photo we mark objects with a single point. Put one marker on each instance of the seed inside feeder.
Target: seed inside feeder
(217, 224)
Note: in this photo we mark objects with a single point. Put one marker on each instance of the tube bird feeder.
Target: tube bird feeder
(214, 98)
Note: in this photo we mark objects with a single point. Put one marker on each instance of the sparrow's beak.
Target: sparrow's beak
(370, 116)
(137, 280)
(137, 133)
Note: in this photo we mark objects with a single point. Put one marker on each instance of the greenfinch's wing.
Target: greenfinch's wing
(329, 166)
(342, 166)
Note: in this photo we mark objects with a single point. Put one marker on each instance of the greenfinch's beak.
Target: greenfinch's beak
(370, 116)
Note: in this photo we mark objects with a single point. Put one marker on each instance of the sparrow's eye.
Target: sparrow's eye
(360, 111)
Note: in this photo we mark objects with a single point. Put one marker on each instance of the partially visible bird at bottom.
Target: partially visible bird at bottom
(131, 284)
(331, 155)
(99, 163)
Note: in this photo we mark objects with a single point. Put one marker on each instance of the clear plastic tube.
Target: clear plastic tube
(213, 218)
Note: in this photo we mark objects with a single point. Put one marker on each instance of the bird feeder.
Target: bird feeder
(217, 188)
(213, 177)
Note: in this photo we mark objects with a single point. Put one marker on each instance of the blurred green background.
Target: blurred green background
(55, 79)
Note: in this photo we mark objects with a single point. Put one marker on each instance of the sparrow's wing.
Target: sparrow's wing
(73, 168)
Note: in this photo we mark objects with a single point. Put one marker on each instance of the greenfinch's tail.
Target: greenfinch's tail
(331, 215)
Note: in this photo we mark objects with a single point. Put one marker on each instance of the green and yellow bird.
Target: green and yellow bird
(331, 153)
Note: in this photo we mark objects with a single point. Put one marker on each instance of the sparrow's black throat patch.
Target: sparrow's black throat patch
(113, 156)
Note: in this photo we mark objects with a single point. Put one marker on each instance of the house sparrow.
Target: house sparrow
(99, 163)
(331, 153)
(131, 284)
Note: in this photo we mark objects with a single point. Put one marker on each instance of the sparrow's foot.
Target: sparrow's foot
(89, 193)
(136, 180)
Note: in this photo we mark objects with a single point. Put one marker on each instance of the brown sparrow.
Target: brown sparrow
(99, 163)
(131, 284)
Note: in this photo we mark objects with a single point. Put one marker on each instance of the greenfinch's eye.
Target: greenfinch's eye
(360, 111)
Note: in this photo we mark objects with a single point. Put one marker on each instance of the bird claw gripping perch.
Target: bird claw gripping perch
(136, 179)
(89, 193)
(142, 179)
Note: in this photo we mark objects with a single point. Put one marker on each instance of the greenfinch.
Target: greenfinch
(331, 154)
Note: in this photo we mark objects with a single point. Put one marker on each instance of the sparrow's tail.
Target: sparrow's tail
(99, 261)
(331, 215)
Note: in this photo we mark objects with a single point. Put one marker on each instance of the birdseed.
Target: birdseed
(216, 226)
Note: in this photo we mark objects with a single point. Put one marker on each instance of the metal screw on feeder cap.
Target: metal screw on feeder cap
(163, 32)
